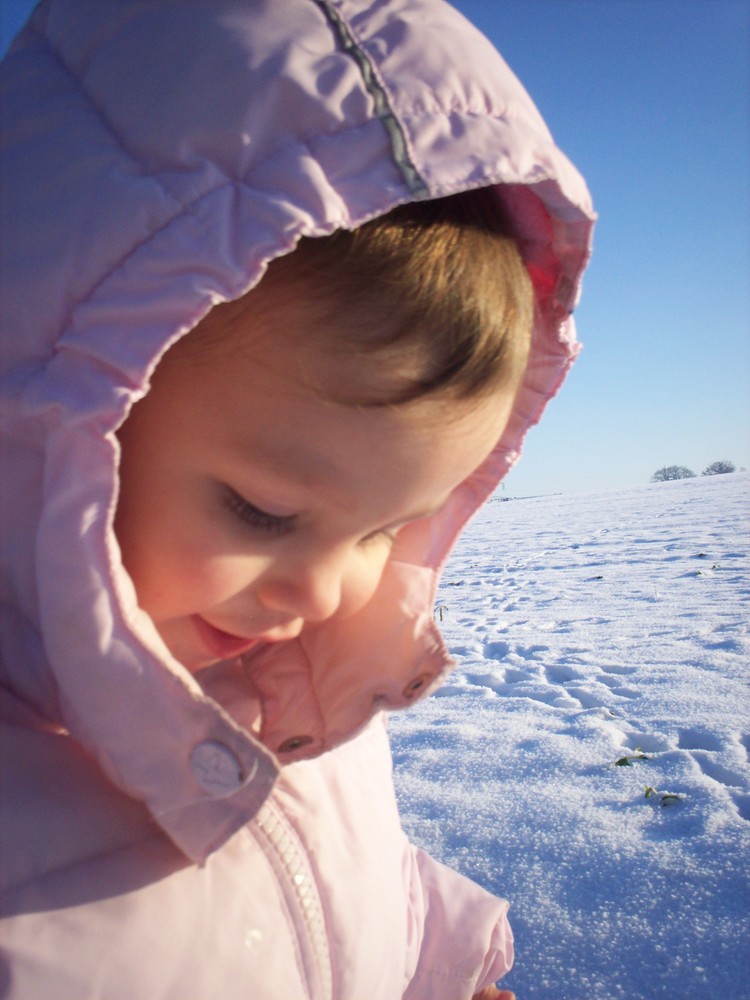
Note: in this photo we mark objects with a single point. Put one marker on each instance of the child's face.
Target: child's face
(251, 505)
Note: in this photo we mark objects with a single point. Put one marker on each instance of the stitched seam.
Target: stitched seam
(306, 139)
(189, 208)
(378, 91)
(420, 110)
(101, 116)
(180, 208)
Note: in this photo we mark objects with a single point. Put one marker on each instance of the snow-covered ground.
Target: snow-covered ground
(604, 650)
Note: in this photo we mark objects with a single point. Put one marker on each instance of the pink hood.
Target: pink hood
(129, 211)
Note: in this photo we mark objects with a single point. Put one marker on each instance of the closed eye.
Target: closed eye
(387, 535)
(254, 517)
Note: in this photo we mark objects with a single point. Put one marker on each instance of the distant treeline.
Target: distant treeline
(682, 472)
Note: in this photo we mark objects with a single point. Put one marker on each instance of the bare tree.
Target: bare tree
(672, 472)
(717, 468)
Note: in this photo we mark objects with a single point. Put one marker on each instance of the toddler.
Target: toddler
(284, 286)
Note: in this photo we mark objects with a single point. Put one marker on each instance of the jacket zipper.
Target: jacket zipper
(287, 857)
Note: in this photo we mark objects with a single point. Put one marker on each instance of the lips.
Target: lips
(222, 645)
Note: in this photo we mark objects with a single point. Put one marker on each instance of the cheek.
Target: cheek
(182, 575)
(363, 579)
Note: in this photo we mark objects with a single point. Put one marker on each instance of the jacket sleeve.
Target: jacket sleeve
(459, 936)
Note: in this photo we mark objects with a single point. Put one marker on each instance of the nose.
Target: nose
(309, 587)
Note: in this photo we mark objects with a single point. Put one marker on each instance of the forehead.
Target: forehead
(286, 362)
(275, 399)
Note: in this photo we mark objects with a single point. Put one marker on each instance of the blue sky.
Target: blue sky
(651, 100)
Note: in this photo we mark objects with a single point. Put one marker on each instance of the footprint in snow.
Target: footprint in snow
(647, 742)
(531, 652)
(698, 739)
(615, 668)
(616, 687)
(560, 674)
(516, 676)
(703, 748)
(496, 650)
(742, 802)
(717, 771)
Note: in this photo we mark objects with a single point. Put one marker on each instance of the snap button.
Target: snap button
(416, 685)
(215, 768)
(294, 743)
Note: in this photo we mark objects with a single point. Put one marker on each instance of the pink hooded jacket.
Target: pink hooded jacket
(156, 155)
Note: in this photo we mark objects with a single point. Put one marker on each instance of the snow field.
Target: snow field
(592, 630)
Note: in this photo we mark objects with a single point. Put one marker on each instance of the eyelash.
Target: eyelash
(272, 524)
(253, 517)
(384, 535)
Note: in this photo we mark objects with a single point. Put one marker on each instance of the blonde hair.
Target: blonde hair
(434, 291)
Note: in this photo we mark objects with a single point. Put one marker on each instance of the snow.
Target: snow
(591, 630)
